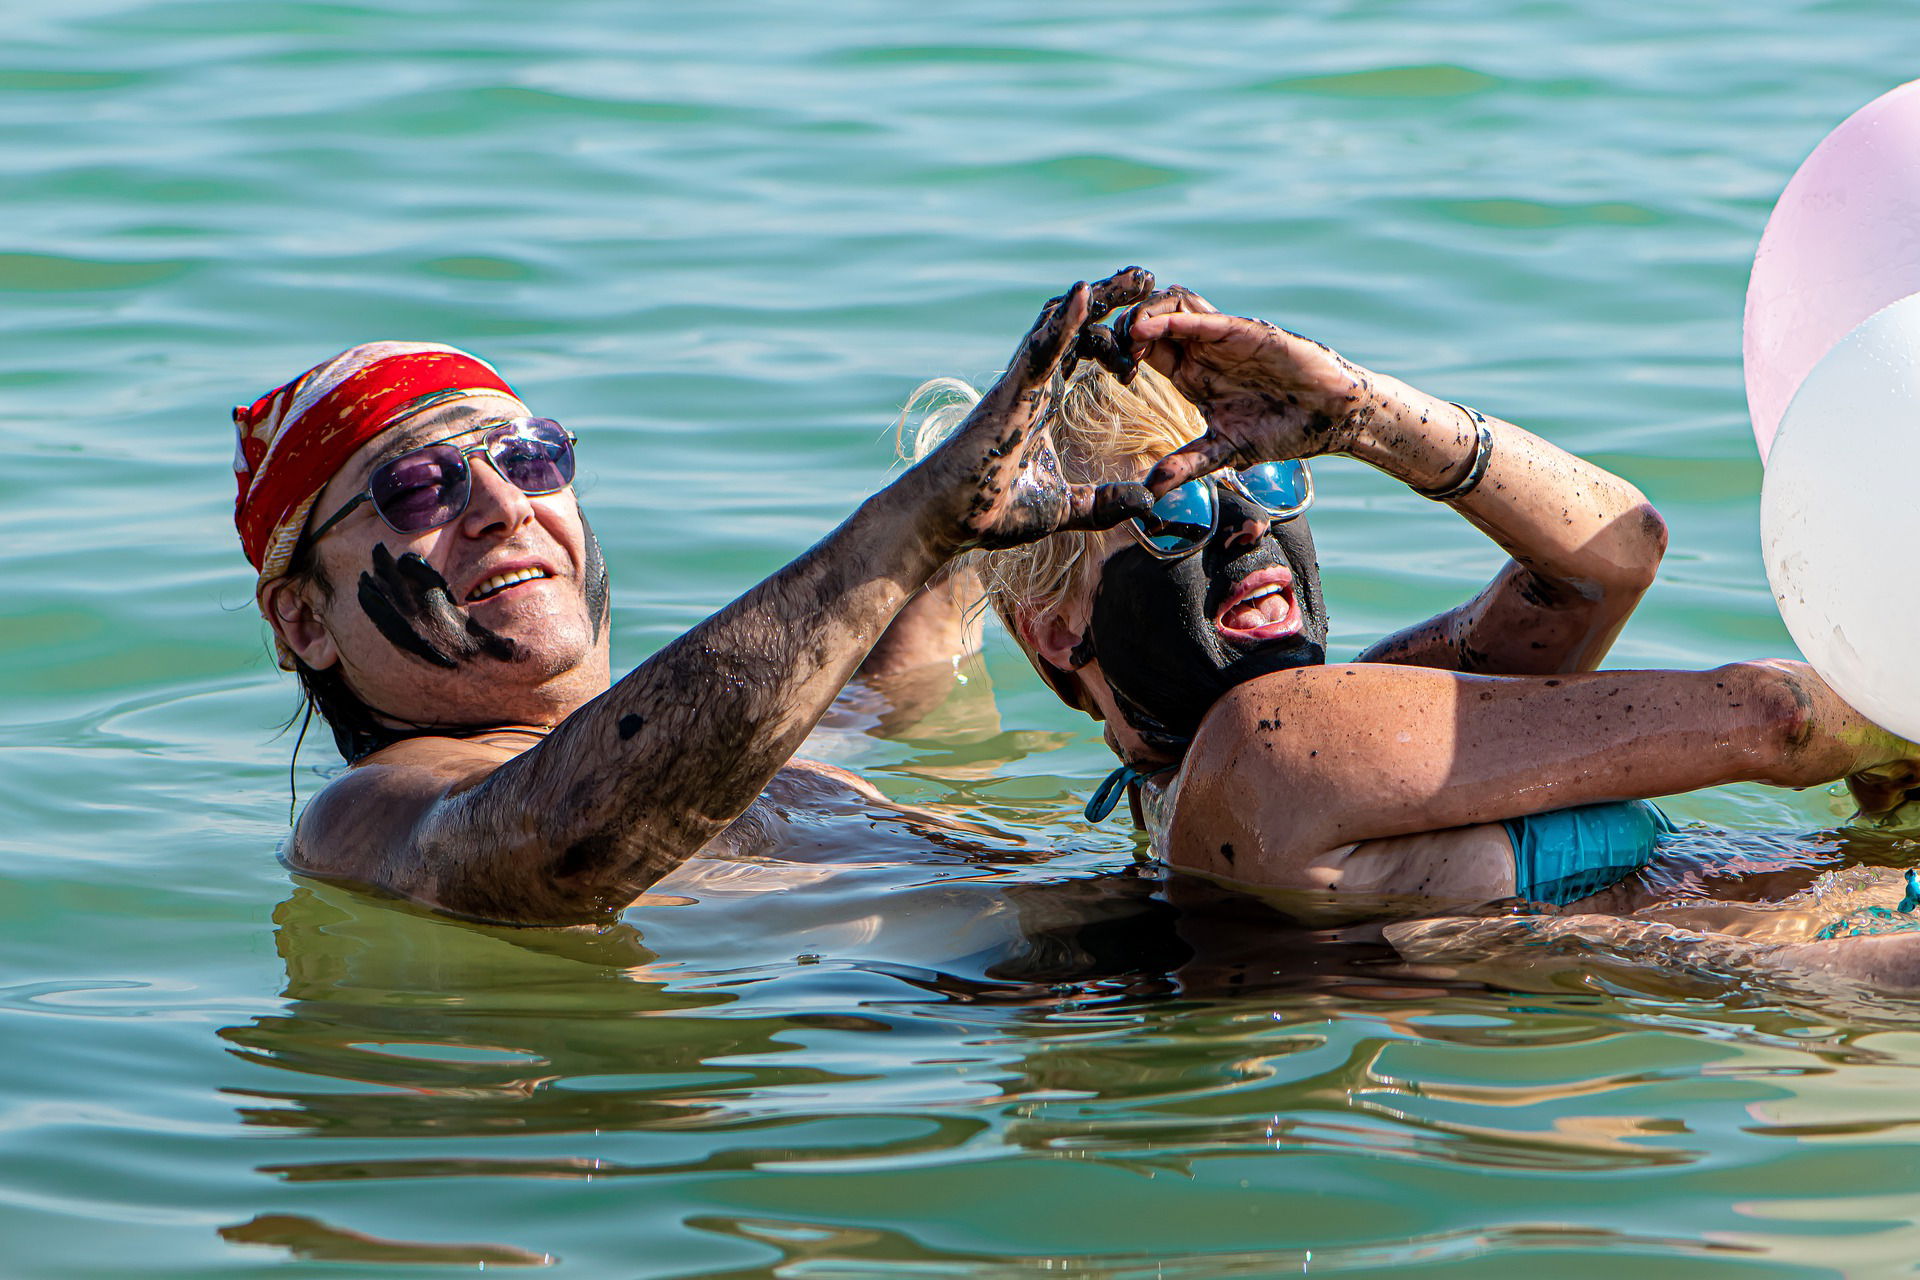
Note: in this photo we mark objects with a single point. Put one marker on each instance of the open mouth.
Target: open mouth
(1262, 607)
(503, 581)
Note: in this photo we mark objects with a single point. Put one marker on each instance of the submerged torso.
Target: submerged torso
(1622, 858)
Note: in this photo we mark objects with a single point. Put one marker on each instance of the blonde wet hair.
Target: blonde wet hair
(1102, 430)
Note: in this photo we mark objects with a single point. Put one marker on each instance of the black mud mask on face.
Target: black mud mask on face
(1153, 626)
(595, 580)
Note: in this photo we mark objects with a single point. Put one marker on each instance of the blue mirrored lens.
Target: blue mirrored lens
(1182, 519)
(1280, 487)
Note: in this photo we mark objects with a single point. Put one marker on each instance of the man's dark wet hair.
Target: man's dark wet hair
(357, 732)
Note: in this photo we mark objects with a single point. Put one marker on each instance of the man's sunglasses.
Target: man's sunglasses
(427, 487)
(1184, 519)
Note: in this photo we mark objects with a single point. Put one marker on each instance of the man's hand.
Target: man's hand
(1267, 394)
(996, 481)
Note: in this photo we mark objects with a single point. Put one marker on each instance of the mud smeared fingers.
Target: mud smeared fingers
(1097, 343)
(1104, 506)
(1123, 331)
(1173, 300)
(1053, 339)
(1123, 288)
(1189, 462)
(1070, 359)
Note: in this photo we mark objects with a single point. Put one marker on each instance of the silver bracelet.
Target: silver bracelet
(1482, 455)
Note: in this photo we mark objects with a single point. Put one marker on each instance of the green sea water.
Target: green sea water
(723, 242)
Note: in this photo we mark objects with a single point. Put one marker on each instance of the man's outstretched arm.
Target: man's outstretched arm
(645, 774)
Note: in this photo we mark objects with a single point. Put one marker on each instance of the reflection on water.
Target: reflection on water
(306, 1237)
(726, 250)
(759, 1015)
(881, 1039)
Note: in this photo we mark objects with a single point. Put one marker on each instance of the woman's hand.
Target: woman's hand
(996, 481)
(1266, 394)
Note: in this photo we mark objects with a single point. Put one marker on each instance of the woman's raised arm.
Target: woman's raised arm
(1584, 543)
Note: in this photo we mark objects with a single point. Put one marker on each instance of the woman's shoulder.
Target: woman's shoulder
(1334, 691)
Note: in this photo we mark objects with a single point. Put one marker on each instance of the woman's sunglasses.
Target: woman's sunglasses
(1183, 520)
(427, 487)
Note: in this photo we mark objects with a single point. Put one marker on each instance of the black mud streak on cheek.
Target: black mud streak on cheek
(407, 601)
(398, 631)
(491, 643)
(599, 606)
(1472, 659)
(1226, 852)
(630, 725)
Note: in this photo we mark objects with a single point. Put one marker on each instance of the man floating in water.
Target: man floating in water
(428, 573)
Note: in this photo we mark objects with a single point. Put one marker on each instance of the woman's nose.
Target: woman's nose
(1242, 523)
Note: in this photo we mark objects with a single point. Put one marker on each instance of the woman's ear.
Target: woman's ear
(1052, 644)
(289, 610)
(1051, 637)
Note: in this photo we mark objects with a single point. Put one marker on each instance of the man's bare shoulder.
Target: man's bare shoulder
(362, 823)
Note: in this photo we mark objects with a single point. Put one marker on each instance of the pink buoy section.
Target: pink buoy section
(1839, 519)
(1843, 242)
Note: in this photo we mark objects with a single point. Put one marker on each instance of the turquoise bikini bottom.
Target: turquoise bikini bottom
(1566, 854)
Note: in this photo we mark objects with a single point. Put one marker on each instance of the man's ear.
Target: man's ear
(289, 611)
(1052, 643)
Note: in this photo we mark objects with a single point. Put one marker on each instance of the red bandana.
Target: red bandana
(295, 438)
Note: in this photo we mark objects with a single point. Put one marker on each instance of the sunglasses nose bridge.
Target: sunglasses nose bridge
(493, 497)
(1240, 518)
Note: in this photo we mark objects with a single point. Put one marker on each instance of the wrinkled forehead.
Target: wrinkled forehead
(434, 422)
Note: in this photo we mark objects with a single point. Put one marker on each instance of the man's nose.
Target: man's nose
(494, 500)
(1242, 523)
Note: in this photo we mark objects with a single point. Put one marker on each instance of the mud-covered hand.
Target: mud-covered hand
(996, 481)
(1265, 393)
(1888, 794)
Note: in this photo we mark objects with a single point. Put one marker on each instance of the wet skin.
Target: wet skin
(405, 623)
(596, 584)
(1385, 776)
(635, 775)
(407, 600)
(1157, 624)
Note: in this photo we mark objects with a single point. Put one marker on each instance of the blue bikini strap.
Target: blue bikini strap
(1108, 794)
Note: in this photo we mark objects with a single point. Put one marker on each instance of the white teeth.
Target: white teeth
(1262, 594)
(501, 581)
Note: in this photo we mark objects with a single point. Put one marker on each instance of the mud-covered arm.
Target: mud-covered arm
(1292, 765)
(645, 774)
(940, 624)
(1584, 543)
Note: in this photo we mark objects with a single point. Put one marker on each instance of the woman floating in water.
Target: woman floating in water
(1476, 757)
